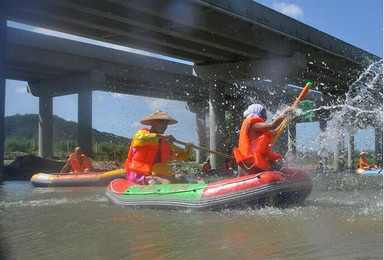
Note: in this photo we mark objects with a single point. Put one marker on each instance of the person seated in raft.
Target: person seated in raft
(151, 150)
(207, 168)
(363, 163)
(77, 163)
(253, 154)
(227, 166)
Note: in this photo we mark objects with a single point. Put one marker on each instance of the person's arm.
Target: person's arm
(66, 166)
(274, 125)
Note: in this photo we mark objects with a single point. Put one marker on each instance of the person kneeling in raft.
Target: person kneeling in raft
(151, 150)
(254, 155)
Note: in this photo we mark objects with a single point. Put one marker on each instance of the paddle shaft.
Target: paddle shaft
(203, 149)
(286, 121)
(207, 150)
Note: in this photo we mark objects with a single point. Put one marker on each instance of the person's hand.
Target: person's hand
(288, 111)
(189, 145)
(168, 138)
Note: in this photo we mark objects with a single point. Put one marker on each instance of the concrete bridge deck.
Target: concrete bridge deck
(215, 35)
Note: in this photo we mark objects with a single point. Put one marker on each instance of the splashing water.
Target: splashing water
(362, 107)
(364, 100)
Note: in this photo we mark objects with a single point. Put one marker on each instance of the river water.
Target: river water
(341, 219)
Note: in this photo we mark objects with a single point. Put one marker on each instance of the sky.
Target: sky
(358, 22)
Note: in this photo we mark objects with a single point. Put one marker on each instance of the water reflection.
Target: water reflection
(83, 225)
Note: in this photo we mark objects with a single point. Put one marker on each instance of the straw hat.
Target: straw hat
(158, 115)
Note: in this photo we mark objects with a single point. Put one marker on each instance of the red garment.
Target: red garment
(262, 155)
(76, 165)
(141, 158)
(207, 167)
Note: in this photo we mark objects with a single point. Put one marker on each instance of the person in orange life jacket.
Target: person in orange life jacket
(151, 150)
(363, 163)
(207, 166)
(227, 166)
(254, 153)
(77, 162)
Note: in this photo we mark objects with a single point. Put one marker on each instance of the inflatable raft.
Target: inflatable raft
(377, 171)
(287, 186)
(76, 179)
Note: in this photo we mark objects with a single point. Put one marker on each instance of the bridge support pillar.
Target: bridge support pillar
(323, 143)
(45, 126)
(236, 108)
(379, 145)
(351, 149)
(216, 119)
(3, 44)
(201, 134)
(292, 138)
(337, 151)
(281, 145)
(83, 86)
(84, 119)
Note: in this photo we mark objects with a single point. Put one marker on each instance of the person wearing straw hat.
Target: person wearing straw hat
(151, 149)
(253, 154)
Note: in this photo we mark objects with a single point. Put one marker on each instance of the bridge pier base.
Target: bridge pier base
(337, 151)
(216, 118)
(84, 120)
(292, 139)
(379, 145)
(351, 149)
(201, 138)
(323, 143)
(45, 126)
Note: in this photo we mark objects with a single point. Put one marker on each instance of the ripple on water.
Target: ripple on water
(53, 201)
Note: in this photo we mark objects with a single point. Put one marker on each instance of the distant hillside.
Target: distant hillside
(25, 127)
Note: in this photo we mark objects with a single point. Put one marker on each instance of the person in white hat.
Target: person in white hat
(151, 149)
(254, 152)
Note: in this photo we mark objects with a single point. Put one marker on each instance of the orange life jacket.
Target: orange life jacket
(262, 154)
(76, 165)
(363, 163)
(143, 157)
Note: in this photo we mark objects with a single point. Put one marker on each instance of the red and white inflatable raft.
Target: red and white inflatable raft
(287, 186)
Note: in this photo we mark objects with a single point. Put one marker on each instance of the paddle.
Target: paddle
(207, 150)
(286, 121)
(204, 149)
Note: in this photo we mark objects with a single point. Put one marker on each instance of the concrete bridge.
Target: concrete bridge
(229, 43)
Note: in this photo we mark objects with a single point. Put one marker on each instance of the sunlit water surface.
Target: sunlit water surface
(341, 219)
